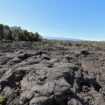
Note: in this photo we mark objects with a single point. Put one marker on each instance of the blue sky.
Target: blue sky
(82, 19)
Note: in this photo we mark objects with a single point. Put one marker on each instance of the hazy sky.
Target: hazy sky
(82, 19)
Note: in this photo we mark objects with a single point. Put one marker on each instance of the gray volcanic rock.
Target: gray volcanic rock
(51, 75)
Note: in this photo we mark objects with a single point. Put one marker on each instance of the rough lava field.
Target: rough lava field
(49, 73)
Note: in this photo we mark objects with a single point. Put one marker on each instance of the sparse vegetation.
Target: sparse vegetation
(75, 43)
(17, 34)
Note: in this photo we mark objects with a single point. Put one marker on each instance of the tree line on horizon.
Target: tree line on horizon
(17, 34)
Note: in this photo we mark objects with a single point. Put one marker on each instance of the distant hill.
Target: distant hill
(62, 38)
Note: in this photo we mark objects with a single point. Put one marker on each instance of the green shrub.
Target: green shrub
(1, 31)
(7, 33)
(2, 99)
(17, 83)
